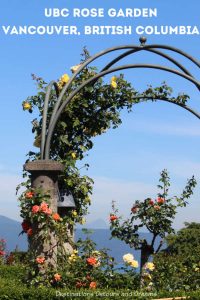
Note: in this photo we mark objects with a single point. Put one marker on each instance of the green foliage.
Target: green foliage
(92, 111)
(178, 266)
(13, 288)
(156, 215)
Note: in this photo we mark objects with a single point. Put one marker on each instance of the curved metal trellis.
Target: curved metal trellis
(47, 133)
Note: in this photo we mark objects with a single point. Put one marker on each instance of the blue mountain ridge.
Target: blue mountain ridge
(10, 230)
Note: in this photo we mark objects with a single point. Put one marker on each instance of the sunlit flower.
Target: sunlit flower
(150, 266)
(40, 260)
(26, 105)
(147, 276)
(93, 285)
(133, 263)
(56, 217)
(35, 209)
(29, 195)
(75, 68)
(73, 155)
(82, 221)
(156, 207)
(113, 218)
(128, 257)
(48, 211)
(91, 261)
(113, 82)
(73, 257)
(64, 78)
(113, 78)
(74, 213)
(151, 202)
(87, 200)
(160, 200)
(134, 209)
(44, 207)
(57, 277)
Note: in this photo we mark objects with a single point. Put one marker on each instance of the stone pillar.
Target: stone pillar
(44, 175)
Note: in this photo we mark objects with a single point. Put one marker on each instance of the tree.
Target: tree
(155, 215)
(178, 265)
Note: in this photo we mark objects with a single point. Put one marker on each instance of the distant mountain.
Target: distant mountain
(97, 224)
(10, 230)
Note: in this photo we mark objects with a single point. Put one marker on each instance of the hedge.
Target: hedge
(12, 288)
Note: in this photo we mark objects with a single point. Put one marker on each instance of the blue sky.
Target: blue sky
(125, 162)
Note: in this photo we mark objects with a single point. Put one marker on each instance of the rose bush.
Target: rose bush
(94, 110)
(155, 215)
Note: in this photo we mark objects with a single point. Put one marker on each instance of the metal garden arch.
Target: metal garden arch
(47, 133)
(44, 172)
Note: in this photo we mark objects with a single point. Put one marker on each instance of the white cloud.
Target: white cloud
(125, 193)
(185, 168)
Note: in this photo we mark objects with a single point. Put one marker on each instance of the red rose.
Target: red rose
(35, 209)
(44, 207)
(151, 202)
(156, 207)
(160, 200)
(29, 195)
(91, 261)
(134, 209)
(93, 285)
(25, 226)
(56, 217)
(40, 260)
(113, 218)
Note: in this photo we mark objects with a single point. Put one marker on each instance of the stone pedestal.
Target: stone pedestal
(44, 175)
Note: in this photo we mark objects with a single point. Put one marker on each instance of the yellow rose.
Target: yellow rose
(27, 106)
(65, 78)
(146, 276)
(82, 221)
(114, 84)
(87, 200)
(150, 266)
(74, 213)
(73, 257)
(128, 258)
(73, 155)
(134, 264)
(114, 78)
(75, 68)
